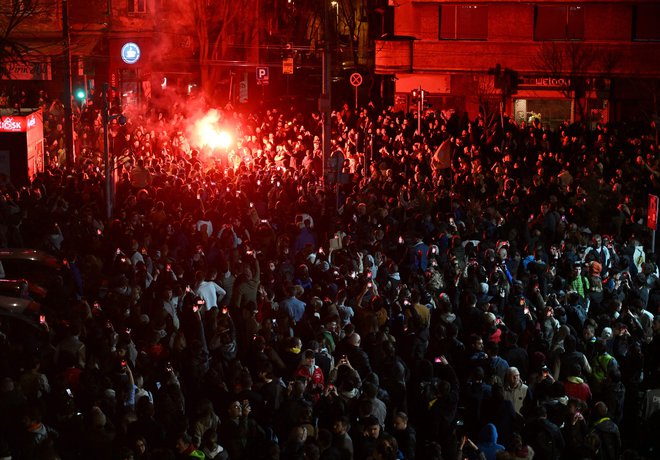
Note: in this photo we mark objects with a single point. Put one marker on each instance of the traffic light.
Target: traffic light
(417, 94)
(513, 81)
(80, 94)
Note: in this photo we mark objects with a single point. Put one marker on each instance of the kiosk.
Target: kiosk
(21, 146)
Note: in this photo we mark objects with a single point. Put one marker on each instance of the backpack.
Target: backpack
(544, 444)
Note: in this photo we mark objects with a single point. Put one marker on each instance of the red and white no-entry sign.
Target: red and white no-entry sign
(356, 80)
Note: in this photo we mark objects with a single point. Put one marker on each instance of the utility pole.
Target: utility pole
(68, 87)
(418, 96)
(326, 96)
(106, 153)
(420, 102)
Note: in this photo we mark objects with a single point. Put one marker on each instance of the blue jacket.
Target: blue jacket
(295, 308)
(488, 442)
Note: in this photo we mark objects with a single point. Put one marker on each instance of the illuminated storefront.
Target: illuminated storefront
(21, 146)
(552, 100)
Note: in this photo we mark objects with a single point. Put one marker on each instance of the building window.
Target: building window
(137, 6)
(463, 22)
(559, 22)
(645, 22)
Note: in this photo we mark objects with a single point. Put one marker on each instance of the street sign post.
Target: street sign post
(652, 218)
(356, 81)
(262, 75)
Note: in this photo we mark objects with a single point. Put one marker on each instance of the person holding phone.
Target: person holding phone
(208, 290)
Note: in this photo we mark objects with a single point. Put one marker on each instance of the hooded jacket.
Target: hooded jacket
(610, 439)
(488, 442)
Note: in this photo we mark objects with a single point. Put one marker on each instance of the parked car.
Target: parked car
(23, 328)
(25, 310)
(22, 289)
(34, 265)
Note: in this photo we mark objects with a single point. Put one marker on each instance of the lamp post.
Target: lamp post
(326, 90)
(106, 154)
(335, 5)
(68, 90)
(107, 158)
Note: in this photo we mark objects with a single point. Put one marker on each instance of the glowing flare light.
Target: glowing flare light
(207, 132)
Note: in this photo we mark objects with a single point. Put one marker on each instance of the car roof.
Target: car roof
(35, 255)
(17, 306)
(33, 288)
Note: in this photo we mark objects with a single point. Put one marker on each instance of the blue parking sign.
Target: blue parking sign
(262, 73)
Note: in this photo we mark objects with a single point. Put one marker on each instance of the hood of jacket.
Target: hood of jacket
(488, 434)
(606, 425)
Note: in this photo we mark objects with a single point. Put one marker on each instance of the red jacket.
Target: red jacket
(313, 376)
(576, 388)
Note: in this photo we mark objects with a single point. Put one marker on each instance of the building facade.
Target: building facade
(556, 60)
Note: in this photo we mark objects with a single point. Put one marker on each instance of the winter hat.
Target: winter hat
(538, 360)
(595, 268)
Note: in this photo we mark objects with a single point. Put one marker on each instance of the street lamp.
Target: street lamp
(335, 5)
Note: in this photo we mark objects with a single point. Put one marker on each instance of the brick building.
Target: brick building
(596, 60)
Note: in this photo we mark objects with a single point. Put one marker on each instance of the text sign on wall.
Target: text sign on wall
(545, 82)
(29, 70)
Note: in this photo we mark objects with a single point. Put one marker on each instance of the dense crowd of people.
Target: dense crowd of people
(482, 289)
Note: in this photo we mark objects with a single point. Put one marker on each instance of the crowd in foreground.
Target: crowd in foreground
(503, 307)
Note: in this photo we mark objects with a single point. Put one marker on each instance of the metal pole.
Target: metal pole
(68, 103)
(419, 112)
(106, 154)
(86, 89)
(421, 94)
(326, 96)
(231, 87)
(367, 158)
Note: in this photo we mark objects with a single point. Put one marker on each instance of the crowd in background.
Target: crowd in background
(500, 302)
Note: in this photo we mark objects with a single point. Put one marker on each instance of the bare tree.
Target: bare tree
(569, 64)
(351, 26)
(486, 94)
(302, 22)
(225, 31)
(14, 16)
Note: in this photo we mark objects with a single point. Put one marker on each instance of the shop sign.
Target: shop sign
(545, 82)
(12, 125)
(17, 124)
(27, 70)
(130, 53)
(287, 66)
